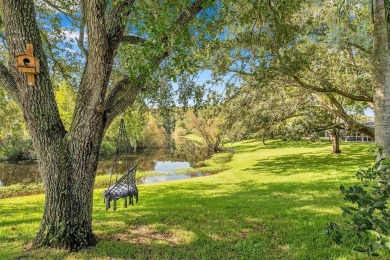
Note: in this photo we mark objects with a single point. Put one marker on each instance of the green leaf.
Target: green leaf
(379, 204)
(374, 233)
(359, 249)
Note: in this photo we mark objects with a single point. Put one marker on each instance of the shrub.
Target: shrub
(14, 149)
(366, 225)
(179, 131)
(222, 157)
(107, 148)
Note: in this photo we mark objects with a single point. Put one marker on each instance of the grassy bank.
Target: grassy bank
(22, 189)
(217, 163)
(272, 202)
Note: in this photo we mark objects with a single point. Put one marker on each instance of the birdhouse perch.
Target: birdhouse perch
(28, 64)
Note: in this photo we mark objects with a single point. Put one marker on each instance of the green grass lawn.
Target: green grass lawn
(273, 202)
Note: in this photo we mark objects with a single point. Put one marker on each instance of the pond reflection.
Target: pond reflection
(179, 152)
(171, 177)
(20, 172)
(170, 167)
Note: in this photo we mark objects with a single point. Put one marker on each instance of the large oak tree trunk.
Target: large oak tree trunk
(381, 77)
(68, 160)
(68, 172)
(69, 181)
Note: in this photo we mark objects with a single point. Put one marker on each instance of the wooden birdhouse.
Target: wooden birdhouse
(28, 64)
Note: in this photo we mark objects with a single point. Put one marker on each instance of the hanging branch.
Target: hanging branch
(61, 10)
(124, 93)
(330, 89)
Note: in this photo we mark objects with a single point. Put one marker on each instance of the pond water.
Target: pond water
(178, 153)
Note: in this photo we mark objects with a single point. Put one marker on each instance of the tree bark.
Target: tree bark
(67, 217)
(381, 77)
(335, 137)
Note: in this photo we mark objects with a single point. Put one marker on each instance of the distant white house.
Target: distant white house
(353, 136)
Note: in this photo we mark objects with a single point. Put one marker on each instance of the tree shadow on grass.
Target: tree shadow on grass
(324, 164)
(278, 220)
(254, 145)
(274, 220)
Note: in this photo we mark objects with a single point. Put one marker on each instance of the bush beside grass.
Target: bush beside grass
(217, 163)
(21, 189)
(14, 149)
(273, 202)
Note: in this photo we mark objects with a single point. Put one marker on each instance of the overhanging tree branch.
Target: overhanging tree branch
(329, 89)
(327, 127)
(240, 72)
(338, 110)
(124, 92)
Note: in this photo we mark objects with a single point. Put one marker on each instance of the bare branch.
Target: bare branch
(80, 40)
(7, 81)
(359, 47)
(61, 9)
(132, 39)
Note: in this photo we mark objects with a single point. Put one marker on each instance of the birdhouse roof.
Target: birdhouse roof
(25, 54)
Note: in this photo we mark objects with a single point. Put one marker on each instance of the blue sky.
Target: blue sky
(369, 112)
